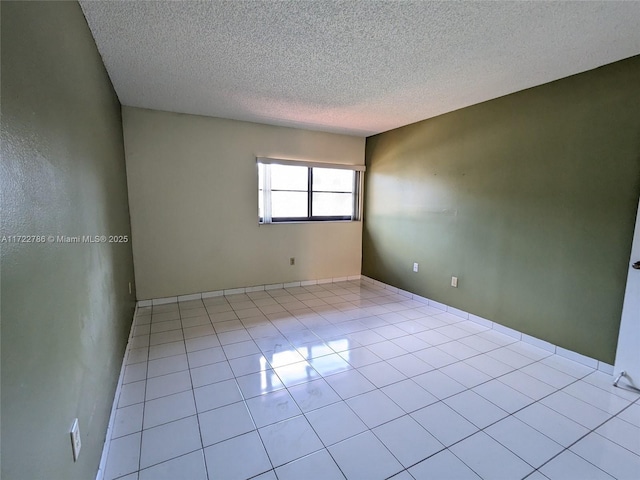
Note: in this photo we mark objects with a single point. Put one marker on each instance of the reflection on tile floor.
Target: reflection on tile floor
(348, 380)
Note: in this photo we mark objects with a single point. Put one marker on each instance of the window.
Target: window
(294, 191)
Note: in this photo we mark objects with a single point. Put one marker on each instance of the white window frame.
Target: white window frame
(265, 190)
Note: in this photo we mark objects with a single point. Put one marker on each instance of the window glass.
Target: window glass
(285, 177)
(332, 204)
(288, 204)
(332, 180)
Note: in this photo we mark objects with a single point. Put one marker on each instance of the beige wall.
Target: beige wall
(193, 198)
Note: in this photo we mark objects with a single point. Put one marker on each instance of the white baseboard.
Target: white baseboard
(563, 352)
(255, 288)
(114, 404)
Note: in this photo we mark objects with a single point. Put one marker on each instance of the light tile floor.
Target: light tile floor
(347, 380)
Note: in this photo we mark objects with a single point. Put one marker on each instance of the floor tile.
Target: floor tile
(189, 466)
(509, 357)
(330, 364)
(569, 466)
(317, 466)
(168, 409)
(364, 457)
(443, 466)
(465, 374)
(407, 440)
(554, 425)
(217, 395)
(296, 373)
(381, 374)
(166, 350)
(202, 343)
(527, 385)
(374, 408)
(503, 396)
(135, 373)
(489, 459)
(439, 384)
(128, 420)
(409, 365)
(631, 415)
(124, 455)
(132, 393)
(206, 357)
(272, 407)
(224, 423)
(475, 408)
(577, 410)
(169, 441)
(444, 423)
(387, 349)
(289, 440)
(238, 458)
(335, 423)
(259, 383)
(167, 385)
(359, 357)
(435, 357)
(408, 395)
(207, 374)
(163, 366)
(526, 442)
(597, 397)
(612, 458)
(548, 375)
(312, 395)
(233, 336)
(349, 384)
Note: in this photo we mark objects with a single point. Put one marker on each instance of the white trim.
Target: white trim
(507, 331)
(563, 352)
(274, 286)
(216, 293)
(577, 357)
(458, 313)
(316, 164)
(438, 305)
(481, 321)
(291, 284)
(605, 367)
(164, 300)
(257, 288)
(187, 298)
(536, 342)
(235, 291)
(114, 404)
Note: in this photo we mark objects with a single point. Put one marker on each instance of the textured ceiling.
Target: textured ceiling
(359, 66)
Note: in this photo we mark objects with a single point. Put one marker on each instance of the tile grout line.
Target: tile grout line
(289, 332)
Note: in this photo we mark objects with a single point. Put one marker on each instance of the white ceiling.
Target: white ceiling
(358, 66)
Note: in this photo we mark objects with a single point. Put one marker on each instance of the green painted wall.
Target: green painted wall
(66, 309)
(530, 199)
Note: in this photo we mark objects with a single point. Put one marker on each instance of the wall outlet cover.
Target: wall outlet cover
(415, 267)
(454, 282)
(76, 442)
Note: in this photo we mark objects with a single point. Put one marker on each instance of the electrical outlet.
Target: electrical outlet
(454, 282)
(415, 267)
(292, 261)
(76, 443)
(129, 288)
